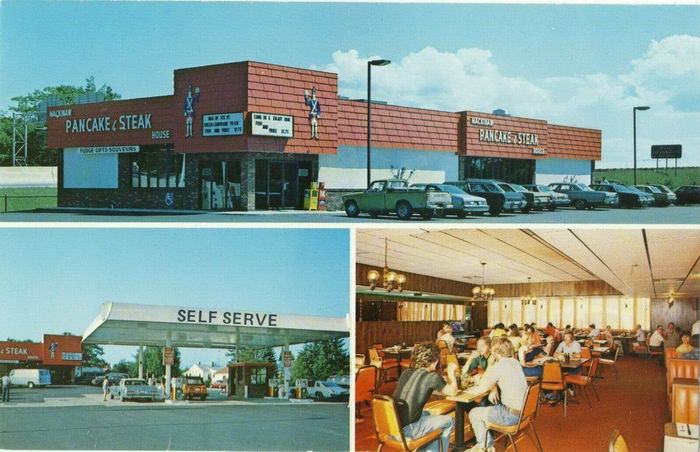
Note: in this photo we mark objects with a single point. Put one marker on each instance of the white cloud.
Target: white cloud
(666, 77)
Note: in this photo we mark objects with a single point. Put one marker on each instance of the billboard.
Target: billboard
(666, 151)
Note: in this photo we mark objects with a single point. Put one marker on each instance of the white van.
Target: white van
(30, 377)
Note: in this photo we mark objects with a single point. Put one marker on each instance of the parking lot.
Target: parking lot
(74, 417)
(647, 215)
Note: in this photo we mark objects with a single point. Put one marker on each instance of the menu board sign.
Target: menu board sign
(272, 125)
(222, 124)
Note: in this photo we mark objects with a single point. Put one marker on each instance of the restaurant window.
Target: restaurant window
(517, 171)
(258, 376)
(156, 169)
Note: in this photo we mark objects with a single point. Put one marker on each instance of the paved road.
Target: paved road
(157, 426)
(649, 215)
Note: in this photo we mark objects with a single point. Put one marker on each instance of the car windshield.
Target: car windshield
(543, 188)
(517, 187)
(663, 188)
(450, 189)
(329, 384)
(583, 187)
(193, 381)
(623, 188)
(654, 189)
(134, 382)
(397, 184)
(635, 190)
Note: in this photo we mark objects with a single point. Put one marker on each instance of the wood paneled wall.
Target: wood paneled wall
(419, 283)
(392, 333)
(558, 289)
(683, 313)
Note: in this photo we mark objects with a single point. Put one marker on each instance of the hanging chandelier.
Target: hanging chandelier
(483, 293)
(390, 279)
(529, 299)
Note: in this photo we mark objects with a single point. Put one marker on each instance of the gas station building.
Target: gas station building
(250, 135)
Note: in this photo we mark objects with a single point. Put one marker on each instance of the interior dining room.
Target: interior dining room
(540, 339)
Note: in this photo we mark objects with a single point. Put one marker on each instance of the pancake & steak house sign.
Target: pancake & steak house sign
(503, 136)
(108, 124)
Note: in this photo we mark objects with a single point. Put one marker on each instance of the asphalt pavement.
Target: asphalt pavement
(160, 426)
(646, 216)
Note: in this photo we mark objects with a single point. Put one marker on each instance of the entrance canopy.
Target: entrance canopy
(139, 324)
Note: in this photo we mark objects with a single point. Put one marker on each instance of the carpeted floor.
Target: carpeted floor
(635, 404)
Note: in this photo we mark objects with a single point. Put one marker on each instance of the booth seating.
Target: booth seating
(668, 354)
(679, 368)
(684, 407)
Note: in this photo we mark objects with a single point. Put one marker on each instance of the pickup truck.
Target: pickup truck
(582, 197)
(394, 195)
(497, 199)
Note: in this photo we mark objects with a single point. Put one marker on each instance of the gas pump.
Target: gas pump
(301, 386)
(272, 383)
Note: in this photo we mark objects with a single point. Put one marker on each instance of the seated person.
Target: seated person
(594, 332)
(515, 338)
(569, 346)
(549, 347)
(607, 334)
(441, 332)
(478, 361)
(507, 375)
(694, 354)
(550, 330)
(567, 329)
(448, 337)
(639, 334)
(413, 390)
(685, 346)
(535, 336)
(498, 330)
(673, 336)
(526, 354)
(656, 341)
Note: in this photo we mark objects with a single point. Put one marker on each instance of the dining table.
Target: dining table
(463, 399)
(398, 351)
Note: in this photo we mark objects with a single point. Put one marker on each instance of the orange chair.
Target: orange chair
(383, 365)
(365, 387)
(617, 442)
(379, 347)
(553, 380)
(585, 380)
(528, 412)
(586, 354)
(387, 427)
(684, 408)
(680, 368)
(615, 351)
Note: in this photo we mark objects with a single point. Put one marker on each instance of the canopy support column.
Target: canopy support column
(141, 361)
(287, 370)
(168, 368)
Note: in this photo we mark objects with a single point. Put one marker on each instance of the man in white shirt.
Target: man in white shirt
(569, 345)
(507, 375)
(448, 337)
(595, 332)
(5, 388)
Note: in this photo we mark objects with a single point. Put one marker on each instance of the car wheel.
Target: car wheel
(111, 397)
(552, 208)
(351, 209)
(404, 210)
(495, 210)
(30, 385)
(580, 204)
(461, 215)
(122, 398)
(318, 396)
(526, 209)
(427, 215)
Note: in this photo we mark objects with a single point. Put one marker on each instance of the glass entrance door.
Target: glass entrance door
(220, 184)
(276, 184)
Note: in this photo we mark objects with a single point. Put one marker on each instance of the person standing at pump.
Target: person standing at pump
(105, 389)
(5, 388)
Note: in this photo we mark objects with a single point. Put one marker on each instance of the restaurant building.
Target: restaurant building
(249, 135)
(60, 354)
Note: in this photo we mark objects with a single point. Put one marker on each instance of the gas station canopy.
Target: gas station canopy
(139, 324)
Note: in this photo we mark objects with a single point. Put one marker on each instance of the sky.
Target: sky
(53, 280)
(580, 65)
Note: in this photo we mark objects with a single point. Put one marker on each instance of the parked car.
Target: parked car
(341, 380)
(328, 390)
(394, 195)
(193, 387)
(497, 199)
(533, 202)
(660, 198)
(114, 377)
(218, 384)
(556, 199)
(669, 193)
(463, 203)
(688, 194)
(97, 381)
(629, 196)
(133, 389)
(583, 197)
(30, 377)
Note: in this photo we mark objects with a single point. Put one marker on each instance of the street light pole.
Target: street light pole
(634, 133)
(369, 113)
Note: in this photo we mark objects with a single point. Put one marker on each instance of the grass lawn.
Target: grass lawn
(686, 176)
(46, 197)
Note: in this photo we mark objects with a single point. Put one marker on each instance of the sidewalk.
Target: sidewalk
(122, 211)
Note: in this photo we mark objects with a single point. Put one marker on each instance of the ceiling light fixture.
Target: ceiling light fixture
(482, 293)
(390, 279)
(529, 299)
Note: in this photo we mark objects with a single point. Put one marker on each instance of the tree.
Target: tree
(320, 360)
(92, 356)
(36, 137)
(252, 355)
(126, 367)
